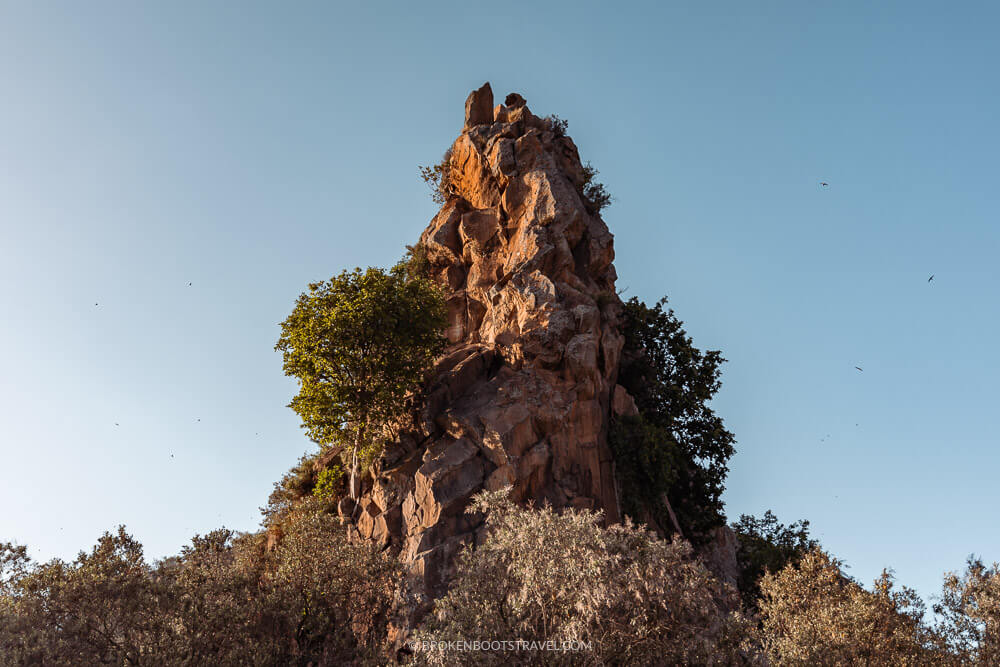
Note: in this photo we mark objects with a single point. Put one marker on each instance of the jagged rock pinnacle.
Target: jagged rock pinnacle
(524, 395)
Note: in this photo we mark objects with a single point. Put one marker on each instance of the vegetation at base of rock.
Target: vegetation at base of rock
(438, 178)
(646, 462)
(542, 575)
(225, 600)
(766, 545)
(294, 485)
(313, 597)
(359, 344)
(673, 383)
(329, 483)
(811, 614)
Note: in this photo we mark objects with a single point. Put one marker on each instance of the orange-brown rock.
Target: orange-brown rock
(525, 392)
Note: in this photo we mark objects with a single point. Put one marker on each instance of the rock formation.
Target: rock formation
(524, 393)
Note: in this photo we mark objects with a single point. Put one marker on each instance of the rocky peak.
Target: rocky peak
(524, 394)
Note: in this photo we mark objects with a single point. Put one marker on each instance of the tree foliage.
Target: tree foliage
(358, 344)
(811, 614)
(766, 545)
(969, 609)
(225, 600)
(673, 383)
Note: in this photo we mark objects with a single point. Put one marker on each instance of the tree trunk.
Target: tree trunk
(354, 465)
(673, 517)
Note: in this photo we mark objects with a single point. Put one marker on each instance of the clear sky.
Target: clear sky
(249, 148)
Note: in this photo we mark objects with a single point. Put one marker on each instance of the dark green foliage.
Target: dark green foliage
(359, 343)
(673, 383)
(646, 462)
(438, 178)
(595, 195)
(767, 546)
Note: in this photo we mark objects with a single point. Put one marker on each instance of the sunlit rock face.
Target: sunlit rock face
(524, 393)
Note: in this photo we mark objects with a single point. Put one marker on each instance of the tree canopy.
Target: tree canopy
(673, 383)
(359, 343)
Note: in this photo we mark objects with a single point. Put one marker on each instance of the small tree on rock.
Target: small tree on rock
(358, 344)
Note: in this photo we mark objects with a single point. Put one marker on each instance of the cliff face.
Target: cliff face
(524, 394)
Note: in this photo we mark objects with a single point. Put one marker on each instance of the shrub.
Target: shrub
(438, 178)
(557, 125)
(415, 263)
(969, 610)
(811, 614)
(541, 576)
(595, 195)
(767, 546)
(312, 598)
(294, 485)
(329, 483)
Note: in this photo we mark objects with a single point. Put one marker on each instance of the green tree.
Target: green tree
(766, 545)
(358, 344)
(673, 383)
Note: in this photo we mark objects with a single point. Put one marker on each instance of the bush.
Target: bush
(557, 125)
(415, 263)
(329, 483)
(294, 485)
(438, 178)
(595, 195)
(312, 598)
(811, 614)
(767, 546)
(541, 576)
(969, 610)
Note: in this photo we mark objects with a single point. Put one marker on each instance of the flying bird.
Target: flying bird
(189, 284)
(824, 184)
(860, 369)
(931, 278)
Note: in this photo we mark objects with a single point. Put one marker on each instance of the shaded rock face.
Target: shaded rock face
(524, 394)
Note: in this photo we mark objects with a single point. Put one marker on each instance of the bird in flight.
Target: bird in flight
(824, 184)
(116, 423)
(189, 284)
(860, 369)
(931, 278)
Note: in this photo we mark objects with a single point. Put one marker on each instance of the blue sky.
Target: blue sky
(249, 148)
